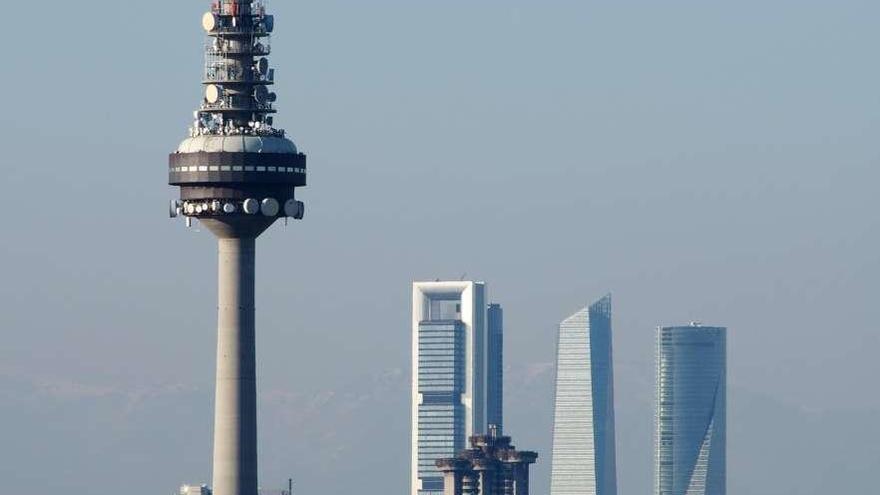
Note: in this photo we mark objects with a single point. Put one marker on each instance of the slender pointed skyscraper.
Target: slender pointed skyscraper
(237, 174)
(584, 458)
(691, 424)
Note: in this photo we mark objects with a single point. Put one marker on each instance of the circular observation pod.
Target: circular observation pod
(270, 207)
(251, 206)
(212, 93)
(210, 22)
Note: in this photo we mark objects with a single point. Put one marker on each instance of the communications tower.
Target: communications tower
(237, 175)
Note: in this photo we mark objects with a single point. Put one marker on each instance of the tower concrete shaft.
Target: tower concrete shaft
(235, 414)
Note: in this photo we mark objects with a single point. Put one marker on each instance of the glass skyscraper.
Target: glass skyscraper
(690, 435)
(584, 459)
(495, 368)
(456, 374)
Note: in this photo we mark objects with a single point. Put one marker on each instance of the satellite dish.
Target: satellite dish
(212, 93)
(270, 207)
(229, 208)
(174, 209)
(263, 66)
(210, 22)
(251, 206)
(294, 208)
(273, 97)
(269, 23)
(261, 94)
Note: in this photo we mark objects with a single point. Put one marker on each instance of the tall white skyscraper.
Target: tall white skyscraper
(452, 356)
(691, 425)
(584, 459)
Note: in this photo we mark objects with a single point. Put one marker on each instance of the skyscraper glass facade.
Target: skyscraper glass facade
(495, 375)
(691, 417)
(441, 383)
(453, 374)
(584, 457)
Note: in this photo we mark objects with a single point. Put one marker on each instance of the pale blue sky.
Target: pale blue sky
(701, 160)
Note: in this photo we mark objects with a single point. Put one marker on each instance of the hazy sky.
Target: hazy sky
(712, 161)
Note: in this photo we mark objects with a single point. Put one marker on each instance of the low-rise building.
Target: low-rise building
(195, 490)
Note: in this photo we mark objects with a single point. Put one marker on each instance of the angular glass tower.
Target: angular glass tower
(690, 435)
(452, 374)
(583, 427)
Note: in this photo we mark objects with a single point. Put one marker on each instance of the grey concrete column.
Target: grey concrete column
(235, 408)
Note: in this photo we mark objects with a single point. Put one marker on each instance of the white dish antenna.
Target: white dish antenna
(263, 66)
(210, 22)
(261, 94)
(294, 208)
(251, 206)
(270, 207)
(212, 93)
(269, 23)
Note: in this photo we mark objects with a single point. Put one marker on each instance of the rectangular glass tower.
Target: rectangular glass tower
(452, 375)
(584, 458)
(691, 425)
(495, 376)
